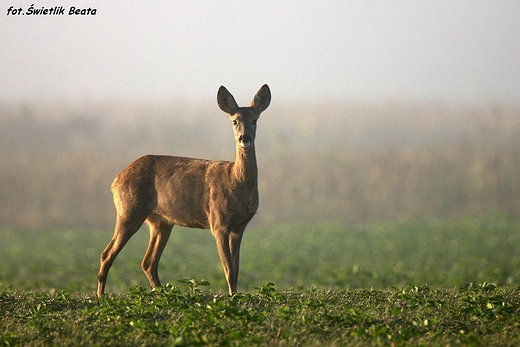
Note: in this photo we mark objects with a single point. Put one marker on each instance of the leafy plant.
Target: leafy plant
(476, 314)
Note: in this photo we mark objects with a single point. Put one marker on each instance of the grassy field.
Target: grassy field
(440, 253)
(438, 282)
(474, 315)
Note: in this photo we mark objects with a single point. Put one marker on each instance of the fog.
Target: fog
(305, 50)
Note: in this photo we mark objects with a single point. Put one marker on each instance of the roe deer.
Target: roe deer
(165, 191)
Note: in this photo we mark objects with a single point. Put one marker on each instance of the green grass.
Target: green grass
(433, 283)
(473, 315)
(440, 253)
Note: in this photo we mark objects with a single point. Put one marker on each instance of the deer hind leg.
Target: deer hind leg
(125, 228)
(160, 232)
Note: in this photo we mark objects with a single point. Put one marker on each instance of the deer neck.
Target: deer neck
(245, 170)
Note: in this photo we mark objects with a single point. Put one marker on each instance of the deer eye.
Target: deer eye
(235, 122)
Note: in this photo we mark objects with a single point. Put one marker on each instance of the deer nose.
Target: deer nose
(244, 140)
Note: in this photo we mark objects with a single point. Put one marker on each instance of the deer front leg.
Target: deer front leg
(235, 239)
(224, 251)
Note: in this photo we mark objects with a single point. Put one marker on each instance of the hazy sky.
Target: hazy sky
(349, 50)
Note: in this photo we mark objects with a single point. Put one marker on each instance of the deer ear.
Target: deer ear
(226, 101)
(262, 99)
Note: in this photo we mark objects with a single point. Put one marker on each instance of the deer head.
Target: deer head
(244, 118)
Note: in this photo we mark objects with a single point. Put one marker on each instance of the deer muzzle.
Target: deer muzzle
(245, 140)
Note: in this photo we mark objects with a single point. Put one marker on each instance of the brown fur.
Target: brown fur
(166, 190)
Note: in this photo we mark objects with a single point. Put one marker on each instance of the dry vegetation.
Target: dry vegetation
(352, 162)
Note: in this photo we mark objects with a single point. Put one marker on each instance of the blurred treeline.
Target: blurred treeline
(352, 162)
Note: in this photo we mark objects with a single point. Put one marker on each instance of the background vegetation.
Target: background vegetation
(354, 163)
(440, 253)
